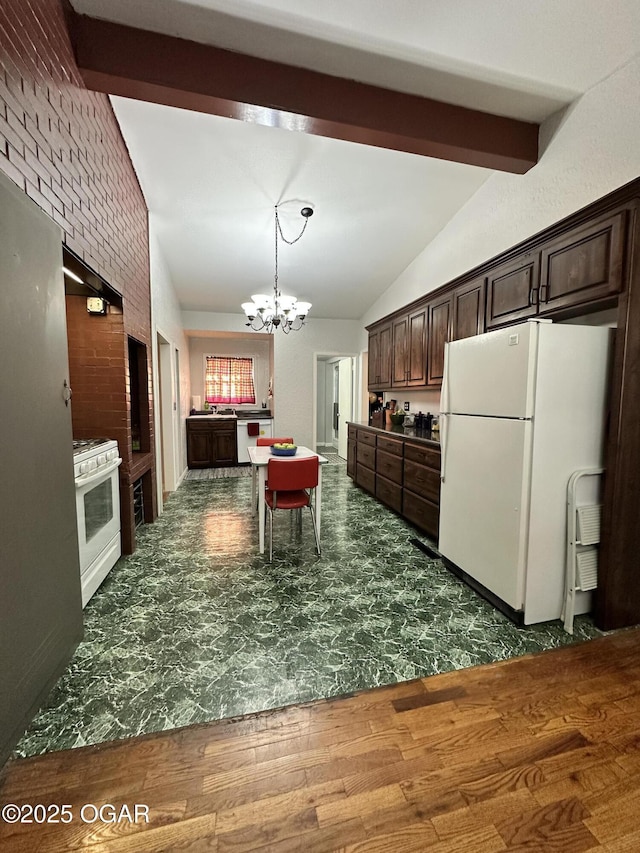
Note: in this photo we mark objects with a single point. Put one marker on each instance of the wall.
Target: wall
(255, 348)
(62, 146)
(295, 388)
(166, 319)
(97, 368)
(419, 401)
(588, 151)
(293, 369)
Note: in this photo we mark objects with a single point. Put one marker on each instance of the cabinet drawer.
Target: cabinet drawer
(422, 513)
(366, 478)
(424, 481)
(199, 426)
(390, 445)
(389, 493)
(366, 437)
(366, 455)
(389, 466)
(428, 456)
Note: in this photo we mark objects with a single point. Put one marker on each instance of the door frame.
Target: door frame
(323, 356)
(166, 416)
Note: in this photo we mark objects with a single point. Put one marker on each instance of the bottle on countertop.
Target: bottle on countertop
(428, 422)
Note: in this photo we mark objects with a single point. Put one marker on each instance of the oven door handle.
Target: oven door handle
(87, 479)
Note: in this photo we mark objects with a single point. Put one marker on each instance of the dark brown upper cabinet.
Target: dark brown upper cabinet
(380, 357)
(417, 346)
(409, 356)
(512, 290)
(468, 309)
(584, 264)
(438, 333)
(399, 352)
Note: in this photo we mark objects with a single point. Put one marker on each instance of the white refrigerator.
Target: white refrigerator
(523, 408)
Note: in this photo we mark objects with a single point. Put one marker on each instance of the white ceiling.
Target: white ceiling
(211, 183)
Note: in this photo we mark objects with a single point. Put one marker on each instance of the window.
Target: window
(229, 380)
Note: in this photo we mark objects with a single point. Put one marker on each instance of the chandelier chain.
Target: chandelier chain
(279, 228)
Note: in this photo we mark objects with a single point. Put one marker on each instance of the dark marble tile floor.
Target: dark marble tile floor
(196, 625)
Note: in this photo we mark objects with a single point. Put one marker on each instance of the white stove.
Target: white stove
(95, 467)
(89, 454)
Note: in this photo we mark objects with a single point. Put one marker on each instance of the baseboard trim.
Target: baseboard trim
(516, 616)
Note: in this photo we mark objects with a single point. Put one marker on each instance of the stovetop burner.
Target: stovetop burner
(81, 444)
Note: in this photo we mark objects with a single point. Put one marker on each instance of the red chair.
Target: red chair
(292, 484)
(269, 442)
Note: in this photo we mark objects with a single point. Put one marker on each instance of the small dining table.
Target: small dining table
(259, 458)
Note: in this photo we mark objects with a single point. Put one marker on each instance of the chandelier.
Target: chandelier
(266, 313)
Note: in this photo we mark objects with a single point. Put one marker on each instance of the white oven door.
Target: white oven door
(98, 511)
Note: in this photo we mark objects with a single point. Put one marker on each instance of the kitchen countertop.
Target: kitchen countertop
(213, 417)
(422, 435)
(264, 414)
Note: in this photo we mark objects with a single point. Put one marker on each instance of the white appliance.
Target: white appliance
(245, 441)
(95, 468)
(523, 408)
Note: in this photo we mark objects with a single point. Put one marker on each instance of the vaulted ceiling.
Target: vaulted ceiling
(211, 182)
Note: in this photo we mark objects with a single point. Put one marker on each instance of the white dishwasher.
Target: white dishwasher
(260, 426)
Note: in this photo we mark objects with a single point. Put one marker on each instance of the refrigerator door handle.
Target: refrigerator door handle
(443, 445)
(444, 409)
(445, 381)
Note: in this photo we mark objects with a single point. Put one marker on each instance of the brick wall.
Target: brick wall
(97, 370)
(61, 144)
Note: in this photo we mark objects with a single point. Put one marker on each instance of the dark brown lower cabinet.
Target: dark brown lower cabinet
(366, 478)
(389, 493)
(424, 514)
(402, 472)
(211, 444)
(351, 457)
(421, 503)
(389, 455)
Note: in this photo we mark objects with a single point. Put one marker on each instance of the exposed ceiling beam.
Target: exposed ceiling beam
(148, 66)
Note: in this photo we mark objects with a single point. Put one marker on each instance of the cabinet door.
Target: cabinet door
(380, 366)
(583, 265)
(224, 448)
(384, 363)
(417, 347)
(374, 360)
(437, 335)
(199, 447)
(351, 458)
(399, 352)
(468, 309)
(512, 290)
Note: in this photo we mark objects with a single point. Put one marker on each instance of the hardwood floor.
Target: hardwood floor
(540, 753)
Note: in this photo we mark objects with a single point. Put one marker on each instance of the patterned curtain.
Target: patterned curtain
(229, 380)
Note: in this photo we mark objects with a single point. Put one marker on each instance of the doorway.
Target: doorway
(334, 400)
